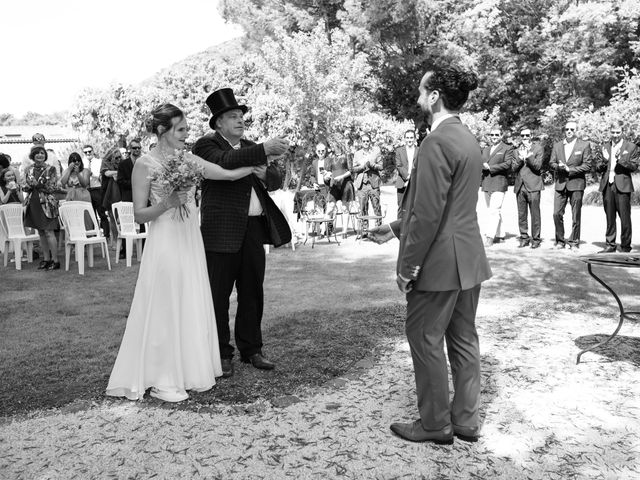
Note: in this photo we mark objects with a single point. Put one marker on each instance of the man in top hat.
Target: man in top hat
(237, 219)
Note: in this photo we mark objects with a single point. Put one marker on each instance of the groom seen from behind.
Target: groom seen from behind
(441, 263)
(238, 218)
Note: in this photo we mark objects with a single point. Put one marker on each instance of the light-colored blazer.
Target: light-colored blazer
(440, 244)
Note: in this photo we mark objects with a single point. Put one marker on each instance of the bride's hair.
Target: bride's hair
(162, 116)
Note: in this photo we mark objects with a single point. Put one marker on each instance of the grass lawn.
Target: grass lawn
(60, 331)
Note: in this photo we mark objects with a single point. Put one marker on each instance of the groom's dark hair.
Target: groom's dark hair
(453, 83)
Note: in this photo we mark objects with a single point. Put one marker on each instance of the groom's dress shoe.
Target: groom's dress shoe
(466, 434)
(227, 367)
(258, 361)
(414, 432)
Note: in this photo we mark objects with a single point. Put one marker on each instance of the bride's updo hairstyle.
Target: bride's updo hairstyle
(454, 84)
(161, 116)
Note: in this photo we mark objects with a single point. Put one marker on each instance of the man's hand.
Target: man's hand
(485, 166)
(261, 172)
(276, 146)
(404, 284)
(380, 234)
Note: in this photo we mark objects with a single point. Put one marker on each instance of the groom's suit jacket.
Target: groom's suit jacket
(440, 244)
(225, 204)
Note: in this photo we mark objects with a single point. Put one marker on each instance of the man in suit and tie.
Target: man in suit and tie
(405, 156)
(442, 263)
(527, 187)
(237, 219)
(570, 160)
(618, 158)
(367, 163)
(497, 159)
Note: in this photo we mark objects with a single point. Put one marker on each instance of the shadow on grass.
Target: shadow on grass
(619, 349)
(309, 348)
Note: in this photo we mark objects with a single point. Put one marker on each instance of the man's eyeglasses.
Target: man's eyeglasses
(616, 132)
(494, 134)
(525, 135)
(87, 152)
(135, 148)
(569, 129)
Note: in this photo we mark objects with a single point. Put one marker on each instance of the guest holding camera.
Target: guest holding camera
(75, 179)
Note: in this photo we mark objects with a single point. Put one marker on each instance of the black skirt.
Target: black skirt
(35, 217)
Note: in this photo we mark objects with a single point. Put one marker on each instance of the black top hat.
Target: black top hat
(222, 101)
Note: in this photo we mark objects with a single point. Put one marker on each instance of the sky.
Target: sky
(52, 49)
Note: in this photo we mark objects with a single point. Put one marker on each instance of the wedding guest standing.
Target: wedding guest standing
(110, 188)
(497, 159)
(170, 342)
(238, 218)
(125, 169)
(42, 206)
(405, 156)
(527, 187)
(618, 158)
(442, 263)
(367, 164)
(570, 160)
(93, 164)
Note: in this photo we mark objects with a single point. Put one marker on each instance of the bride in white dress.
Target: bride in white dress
(170, 342)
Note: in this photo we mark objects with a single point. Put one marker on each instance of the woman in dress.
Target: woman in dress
(170, 342)
(76, 179)
(42, 206)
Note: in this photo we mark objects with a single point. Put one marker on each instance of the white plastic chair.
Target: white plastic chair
(125, 222)
(72, 215)
(11, 222)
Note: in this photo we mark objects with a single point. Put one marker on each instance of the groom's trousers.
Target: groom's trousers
(245, 269)
(432, 317)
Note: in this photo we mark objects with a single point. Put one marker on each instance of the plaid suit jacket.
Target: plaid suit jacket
(225, 205)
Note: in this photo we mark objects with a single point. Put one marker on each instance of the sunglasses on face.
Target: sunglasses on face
(135, 148)
(494, 134)
(616, 132)
(525, 135)
(87, 152)
(569, 129)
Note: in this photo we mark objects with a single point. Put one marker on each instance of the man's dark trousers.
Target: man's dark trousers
(529, 201)
(559, 204)
(616, 202)
(245, 269)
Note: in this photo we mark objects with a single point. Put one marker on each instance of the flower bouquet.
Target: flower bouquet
(178, 172)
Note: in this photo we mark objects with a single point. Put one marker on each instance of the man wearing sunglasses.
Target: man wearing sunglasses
(497, 160)
(570, 160)
(527, 187)
(616, 161)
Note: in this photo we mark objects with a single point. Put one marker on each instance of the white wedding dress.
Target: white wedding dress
(170, 341)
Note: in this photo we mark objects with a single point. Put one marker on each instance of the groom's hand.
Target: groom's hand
(276, 146)
(380, 234)
(404, 284)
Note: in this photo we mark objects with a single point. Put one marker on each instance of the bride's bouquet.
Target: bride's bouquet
(178, 172)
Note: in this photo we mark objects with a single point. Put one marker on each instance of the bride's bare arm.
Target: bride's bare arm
(213, 171)
(140, 184)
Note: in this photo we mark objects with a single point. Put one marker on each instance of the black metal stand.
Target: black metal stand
(623, 315)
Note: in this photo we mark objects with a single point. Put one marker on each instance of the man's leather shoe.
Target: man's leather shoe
(523, 243)
(608, 250)
(227, 367)
(258, 361)
(414, 432)
(625, 250)
(535, 245)
(558, 245)
(466, 434)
